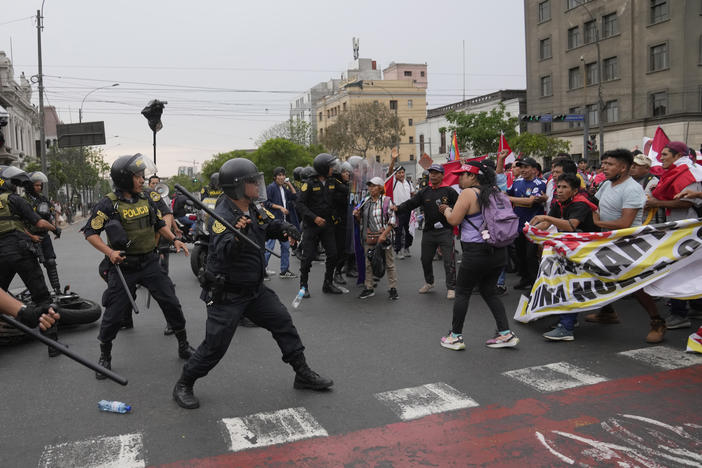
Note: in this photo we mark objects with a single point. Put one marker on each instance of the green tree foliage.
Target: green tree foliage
(212, 165)
(76, 168)
(365, 126)
(187, 182)
(294, 130)
(480, 132)
(280, 152)
(536, 144)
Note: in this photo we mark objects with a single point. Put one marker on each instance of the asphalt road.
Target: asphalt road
(371, 348)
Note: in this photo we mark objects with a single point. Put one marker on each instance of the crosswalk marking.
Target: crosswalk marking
(276, 427)
(555, 377)
(416, 402)
(663, 357)
(122, 451)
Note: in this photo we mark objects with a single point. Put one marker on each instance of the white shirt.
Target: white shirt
(401, 191)
(282, 196)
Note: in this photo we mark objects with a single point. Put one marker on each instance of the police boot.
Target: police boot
(306, 378)
(184, 348)
(105, 359)
(52, 273)
(329, 288)
(183, 392)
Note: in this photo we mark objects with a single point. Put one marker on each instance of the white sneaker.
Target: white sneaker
(451, 294)
(399, 255)
(270, 272)
(407, 253)
(425, 289)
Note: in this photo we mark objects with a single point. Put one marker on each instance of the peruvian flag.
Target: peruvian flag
(449, 178)
(389, 185)
(653, 147)
(673, 180)
(505, 146)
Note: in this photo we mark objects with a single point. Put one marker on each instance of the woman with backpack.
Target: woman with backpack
(483, 256)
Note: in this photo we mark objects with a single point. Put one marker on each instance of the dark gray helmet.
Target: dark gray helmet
(236, 173)
(12, 177)
(297, 173)
(345, 167)
(125, 167)
(322, 162)
(214, 181)
(308, 172)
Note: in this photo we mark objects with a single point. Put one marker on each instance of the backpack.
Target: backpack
(500, 223)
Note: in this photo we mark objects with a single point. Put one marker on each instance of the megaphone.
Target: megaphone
(162, 189)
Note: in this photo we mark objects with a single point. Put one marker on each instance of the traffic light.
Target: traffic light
(153, 112)
(559, 117)
(531, 118)
(592, 144)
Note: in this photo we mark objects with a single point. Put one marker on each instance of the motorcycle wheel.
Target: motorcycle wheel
(10, 335)
(79, 312)
(198, 257)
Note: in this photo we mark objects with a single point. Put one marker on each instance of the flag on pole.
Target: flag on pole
(454, 155)
(653, 148)
(511, 157)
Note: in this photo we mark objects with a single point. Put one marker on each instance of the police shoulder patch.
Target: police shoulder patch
(270, 215)
(218, 228)
(303, 188)
(98, 220)
(155, 196)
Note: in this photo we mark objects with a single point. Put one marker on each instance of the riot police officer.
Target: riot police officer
(342, 208)
(131, 221)
(233, 283)
(214, 190)
(42, 206)
(315, 206)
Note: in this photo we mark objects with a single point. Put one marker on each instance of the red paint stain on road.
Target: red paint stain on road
(492, 435)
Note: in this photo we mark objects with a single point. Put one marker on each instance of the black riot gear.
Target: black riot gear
(214, 181)
(38, 176)
(125, 167)
(322, 163)
(12, 177)
(235, 173)
(297, 174)
(308, 172)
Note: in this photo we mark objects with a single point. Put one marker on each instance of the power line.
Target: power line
(17, 21)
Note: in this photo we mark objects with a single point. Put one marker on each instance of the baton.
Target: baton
(63, 349)
(126, 288)
(224, 222)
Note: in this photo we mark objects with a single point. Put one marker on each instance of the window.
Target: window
(575, 78)
(659, 104)
(658, 57)
(344, 108)
(546, 89)
(408, 73)
(590, 31)
(442, 148)
(409, 103)
(410, 122)
(610, 26)
(592, 114)
(321, 132)
(573, 3)
(545, 48)
(421, 73)
(544, 11)
(659, 11)
(411, 140)
(611, 111)
(592, 74)
(377, 158)
(421, 143)
(610, 69)
(393, 105)
(545, 127)
(575, 110)
(574, 37)
(411, 157)
(320, 116)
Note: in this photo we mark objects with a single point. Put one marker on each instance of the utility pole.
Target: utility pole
(40, 80)
(600, 102)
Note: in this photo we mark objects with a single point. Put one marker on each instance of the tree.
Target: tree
(280, 152)
(212, 165)
(536, 144)
(481, 132)
(366, 126)
(78, 169)
(294, 130)
(187, 182)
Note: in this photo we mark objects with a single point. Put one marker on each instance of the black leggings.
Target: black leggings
(481, 265)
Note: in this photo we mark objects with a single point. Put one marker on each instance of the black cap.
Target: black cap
(527, 162)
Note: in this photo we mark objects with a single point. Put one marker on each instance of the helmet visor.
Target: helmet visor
(258, 180)
(15, 176)
(142, 164)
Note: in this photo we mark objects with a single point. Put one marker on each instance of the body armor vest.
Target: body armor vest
(137, 222)
(8, 221)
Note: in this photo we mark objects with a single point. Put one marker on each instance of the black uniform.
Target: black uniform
(17, 251)
(233, 288)
(43, 207)
(342, 213)
(317, 198)
(139, 268)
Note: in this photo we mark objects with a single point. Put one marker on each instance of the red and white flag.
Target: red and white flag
(505, 146)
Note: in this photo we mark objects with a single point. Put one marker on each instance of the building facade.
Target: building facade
(434, 142)
(648, 71)
(22, 130)
(414, 72)
(302, 108)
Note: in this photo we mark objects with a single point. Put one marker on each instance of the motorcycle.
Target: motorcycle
(74, 311)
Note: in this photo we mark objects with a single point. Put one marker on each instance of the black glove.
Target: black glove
(291, 231)
(57, 232)
(30, 315)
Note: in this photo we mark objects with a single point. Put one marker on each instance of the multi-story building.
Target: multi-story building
(403, 96)
(302, 108)
(641, 60)
(22, 129)
(432, 133)
(414, 72)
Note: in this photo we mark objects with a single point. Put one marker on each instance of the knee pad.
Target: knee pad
(50, 262)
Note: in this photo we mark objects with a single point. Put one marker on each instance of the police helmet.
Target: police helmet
(236, 173)
(38, 176)
(12, 177)
(125, 167)
(308, 172)
(214, 181)
(297, 173)
(322, 162)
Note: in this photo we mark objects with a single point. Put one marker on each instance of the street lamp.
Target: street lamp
(600, 102)
(80, 110)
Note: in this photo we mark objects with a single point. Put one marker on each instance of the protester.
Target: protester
(559, 167)
(437, 231)
(677, 176)
(621, 200)
(583, 171)
(571, 211)
(280, 193)
(481, 263)
(528, 195)
(402, 190)
(377, 220)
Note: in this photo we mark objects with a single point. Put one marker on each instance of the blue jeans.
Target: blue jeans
(568, 320)
(284, 253)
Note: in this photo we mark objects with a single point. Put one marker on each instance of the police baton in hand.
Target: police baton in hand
(62, 348)
(223, 221)
(124, 284)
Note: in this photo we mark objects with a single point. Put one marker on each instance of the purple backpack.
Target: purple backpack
(500, 223)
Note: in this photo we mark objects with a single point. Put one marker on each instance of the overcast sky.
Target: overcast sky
(229, 69)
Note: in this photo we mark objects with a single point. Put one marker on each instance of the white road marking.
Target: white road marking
(273, 428)
(122, 451)
(663, 357)
(555, 377)
(416, 402)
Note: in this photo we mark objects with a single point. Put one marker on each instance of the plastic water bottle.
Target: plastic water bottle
(298, 299)
(114, 406)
